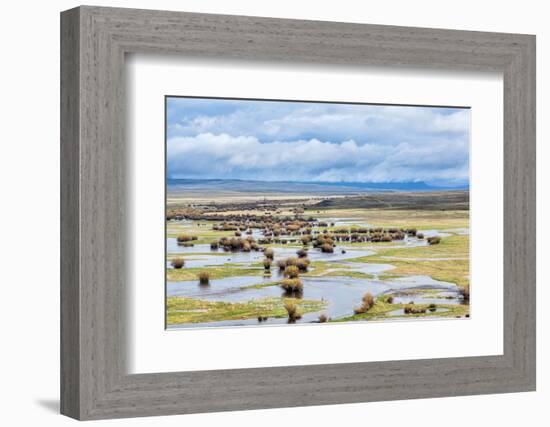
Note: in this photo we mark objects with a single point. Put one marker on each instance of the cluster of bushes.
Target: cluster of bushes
(367, 302)
(185, 239)
(300, 264)
(270, 226)
(291, 268)
(325, 243)
(270, 240)
(236, 244)
(178, 214)
(224, 226)
(411, 309)
(359, 235)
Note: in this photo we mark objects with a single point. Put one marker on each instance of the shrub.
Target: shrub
(359, 310)
(323, 318)
(410, 309)
(465, 292)
(292, 286)
(292, 271)
(366, 305)
(434, 240)
(267, 263)
(411, 231)
(302, 264)
(204, 277)
(368, 300)
(327, 248)
(178, 263)
(291, 261)
(292, 311)
(302, 253)
(269, 253)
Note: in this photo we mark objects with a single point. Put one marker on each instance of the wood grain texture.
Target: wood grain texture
(94, 174)
(70, 220)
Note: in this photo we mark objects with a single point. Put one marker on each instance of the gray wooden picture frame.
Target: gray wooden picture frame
(94, 381)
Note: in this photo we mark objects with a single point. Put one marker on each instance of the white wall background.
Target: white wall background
(29, 212)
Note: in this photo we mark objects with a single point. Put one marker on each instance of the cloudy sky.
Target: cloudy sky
(320, 142)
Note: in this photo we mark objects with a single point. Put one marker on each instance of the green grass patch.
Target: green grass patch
(322, 268)
(204, 233)
(457, 246)
(216, 272)
(451, 271)
(411, 218)
(423, 261)
(188, 310)
(382, 310)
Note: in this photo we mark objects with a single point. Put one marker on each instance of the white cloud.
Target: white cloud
(333, 122)
(316, 141)
(209, 155)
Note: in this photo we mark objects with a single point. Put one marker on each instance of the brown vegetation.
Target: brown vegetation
(292, 272)
(178, 262)
(183, 238)
(366, 304)
(302, 264)
(434, 240)
(269, 253)
(293, 287)
(292, 311)
(204, 277)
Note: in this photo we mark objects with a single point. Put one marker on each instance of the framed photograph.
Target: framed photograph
(300, 212)
(262, 213)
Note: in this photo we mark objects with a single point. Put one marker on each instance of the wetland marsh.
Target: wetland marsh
(346, 253)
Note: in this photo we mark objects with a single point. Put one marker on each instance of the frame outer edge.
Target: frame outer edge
(70, 387)
(91, 385)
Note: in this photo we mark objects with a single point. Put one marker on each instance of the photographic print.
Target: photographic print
(286, 212)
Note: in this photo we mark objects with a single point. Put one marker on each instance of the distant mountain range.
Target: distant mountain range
(176, 185)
